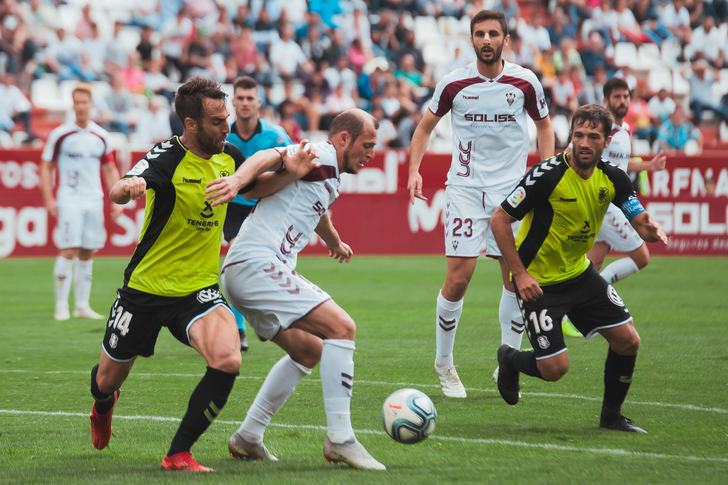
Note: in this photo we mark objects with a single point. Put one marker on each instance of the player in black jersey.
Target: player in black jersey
(562, 202)
(171, 279)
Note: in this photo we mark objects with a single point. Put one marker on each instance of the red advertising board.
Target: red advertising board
(373, 214)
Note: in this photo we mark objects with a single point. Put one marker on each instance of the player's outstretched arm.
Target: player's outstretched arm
(418, 146)
(648, 229)
(128, 189)
(500, 224)
(337, 248)
(657, 163)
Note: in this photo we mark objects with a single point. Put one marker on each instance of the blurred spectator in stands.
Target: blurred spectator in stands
(316, 89)
(263, 73)
(373, 78)
(340, 99)
(266, 31)
(17, 48)
(661, 106)
(510, 9)
(563, 95)
(315, 43)
(116, 52)
(408, 46)
(241, 61)
(701, 81)
(94, 48)
(14, 108)
(676, 18)
(153, 125)
(157, 82)
(336, 48)
(133, 74)
(459, 59)
(389, 101)
(535, 35)
(242, 16)
(176, 33)
(386, 131)
(286, 56)
(64, 57)
(709, 43)
(626, 73)
(605, 21)
(288, 121)
(593, 55)
(645, 13)
(357, 26)
(116, 106)
(639, 117)
(341, 73)
(405, 120)
(627, 26)
(407, 71)
(199, 56)
(39, 18)
(545, 69)
(576, 75)
(146, 47)
(84, 23)
(560, 28)
(567, 56)
(384, 40)
(518, 52)
(678, 135)
(145, 12)
(593, 90)
(326, 9)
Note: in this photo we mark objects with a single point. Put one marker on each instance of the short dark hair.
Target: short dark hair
(188, 101)
(593, 115)
(490, 15)
(352, 121)
(614, 84)
(245, 82)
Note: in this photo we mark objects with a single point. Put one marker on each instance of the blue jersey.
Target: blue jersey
(266, 135)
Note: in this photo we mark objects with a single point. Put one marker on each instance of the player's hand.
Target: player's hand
(135, 187)
(659, 162)
(414, 187)
(52, 208)
(222, 190)
(528, 286)
(342, 252)
(302, 161)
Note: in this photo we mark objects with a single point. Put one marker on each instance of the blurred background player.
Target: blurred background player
(250, 133)
(490, 146)
(80, 150)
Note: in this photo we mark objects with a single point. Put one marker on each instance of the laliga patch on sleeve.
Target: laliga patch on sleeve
(517, 196)
(140, 167)
(631, 207)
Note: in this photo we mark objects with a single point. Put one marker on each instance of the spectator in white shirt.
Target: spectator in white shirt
(707, 42)
(286, 55)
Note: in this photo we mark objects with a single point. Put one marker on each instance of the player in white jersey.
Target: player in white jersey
(489, 101)
(259, 279)
(79, 150)
(616, 232)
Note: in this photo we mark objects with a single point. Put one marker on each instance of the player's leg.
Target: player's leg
(618, 234)
(213, 333)
(337, 330)
(509, 313)
(106, 379)
(82, 285)
(459, 271)
(623, 267)
(62, 276)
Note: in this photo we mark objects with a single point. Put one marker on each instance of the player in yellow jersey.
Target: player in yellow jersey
(171, 280)
(562, 202)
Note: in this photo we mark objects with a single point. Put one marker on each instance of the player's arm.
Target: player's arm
(648, 229)
(298, 163)
(338, 249)
(46, 187)
(418, 146)
(545, 137)
(631, 207)
(657, 163)
(110, 174)
(527, 285)
(128, 189)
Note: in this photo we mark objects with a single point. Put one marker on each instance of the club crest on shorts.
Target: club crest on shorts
(454, 245)
(113, 340)
(613, 296)
(208, 294)
(517, 196)
(543, 342)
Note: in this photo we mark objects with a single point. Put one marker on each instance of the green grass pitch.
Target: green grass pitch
(679, 393)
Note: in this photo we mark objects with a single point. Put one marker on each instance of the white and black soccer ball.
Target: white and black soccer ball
(408, 416)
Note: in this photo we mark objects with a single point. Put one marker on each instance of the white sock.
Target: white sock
(62, 272)
(82, 282)
(511, 319)
(273, 394)
(619, 269)
(448, 316)
(337, 380)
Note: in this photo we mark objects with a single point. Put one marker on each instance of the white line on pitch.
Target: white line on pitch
(690, 407)
(522, 444)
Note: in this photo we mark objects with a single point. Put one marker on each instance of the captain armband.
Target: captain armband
(632, 207)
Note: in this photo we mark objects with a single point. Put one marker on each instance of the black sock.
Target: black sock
(618, 371)
(526, 362)
(104, 402)
(206, 402)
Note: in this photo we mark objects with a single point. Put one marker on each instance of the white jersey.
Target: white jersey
(620, 146)
(489, 125)
(78, 154)
(281, 224)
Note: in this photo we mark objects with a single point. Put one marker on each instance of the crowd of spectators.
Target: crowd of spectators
(315, 58)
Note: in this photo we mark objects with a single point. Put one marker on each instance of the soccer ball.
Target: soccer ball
(408, 416)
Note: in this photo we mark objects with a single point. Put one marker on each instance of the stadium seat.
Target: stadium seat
(625, 54)
(680, 86)
(649, 57)
(45, 93)
(658, 78)
(426, 30)
(670, 51)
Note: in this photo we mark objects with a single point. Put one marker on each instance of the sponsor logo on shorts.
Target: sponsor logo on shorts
(113, 341)
(543, 342)
(613, 296)
(139, 168)
(208, 294)
(517, 196)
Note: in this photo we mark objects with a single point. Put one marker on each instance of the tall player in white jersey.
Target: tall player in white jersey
(79, 150)
(489, 101)
(616, 231)
(259, 279)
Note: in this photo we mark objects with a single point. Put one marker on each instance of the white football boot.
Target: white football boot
(352, 453)
(87, 312)
(450, 382)
(242, 449)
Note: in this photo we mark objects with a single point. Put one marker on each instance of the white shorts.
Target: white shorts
(467, 221)
(618, 232)
(269, 294)
(80, 225)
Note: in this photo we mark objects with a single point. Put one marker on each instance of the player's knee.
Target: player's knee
(228, 362)
(346, 330)
(553, 371)
(307, 357)
(454, 288)
(641, 259)
(629, 346)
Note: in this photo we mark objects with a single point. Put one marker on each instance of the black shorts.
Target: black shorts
(137, 317)
(591, 303)
(236, 214)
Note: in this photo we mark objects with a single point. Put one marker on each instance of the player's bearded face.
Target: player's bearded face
(488, 41)
(618, 103)
(588, 142)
